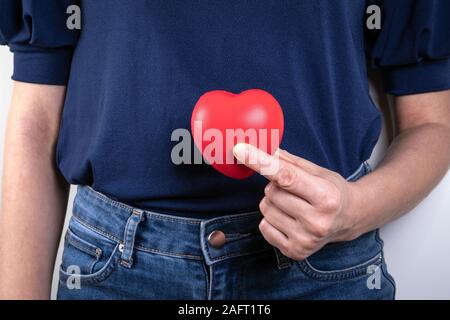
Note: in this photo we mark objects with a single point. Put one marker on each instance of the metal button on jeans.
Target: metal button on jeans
(216, 239)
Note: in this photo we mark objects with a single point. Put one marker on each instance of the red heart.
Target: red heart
(223, 111)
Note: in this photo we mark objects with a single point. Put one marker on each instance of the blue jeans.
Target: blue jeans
(114, 251)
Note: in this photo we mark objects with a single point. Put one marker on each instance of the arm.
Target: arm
(414, 164)
(306, 206)
(34, 196)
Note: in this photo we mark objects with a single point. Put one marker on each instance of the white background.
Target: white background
(417, 246)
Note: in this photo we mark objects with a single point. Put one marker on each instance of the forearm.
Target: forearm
(414, 164)
(34, 196)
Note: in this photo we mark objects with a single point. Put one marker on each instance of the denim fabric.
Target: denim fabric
(113, 251)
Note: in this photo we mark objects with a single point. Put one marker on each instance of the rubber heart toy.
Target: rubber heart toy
(223, 114)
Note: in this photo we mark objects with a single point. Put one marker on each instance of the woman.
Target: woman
(146, 228)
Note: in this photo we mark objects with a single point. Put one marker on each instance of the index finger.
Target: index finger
(285, 174)
(257, 160)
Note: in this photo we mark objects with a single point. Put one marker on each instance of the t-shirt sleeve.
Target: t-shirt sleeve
(36, 32)
(413, 47)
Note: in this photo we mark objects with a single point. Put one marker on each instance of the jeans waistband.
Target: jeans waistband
(174, 236)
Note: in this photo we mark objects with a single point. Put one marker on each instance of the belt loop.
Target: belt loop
(282, 261)
(136, 217)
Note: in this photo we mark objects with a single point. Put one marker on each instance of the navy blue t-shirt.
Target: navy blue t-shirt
(136, 69)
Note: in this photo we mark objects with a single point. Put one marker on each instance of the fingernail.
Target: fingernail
(240, 151)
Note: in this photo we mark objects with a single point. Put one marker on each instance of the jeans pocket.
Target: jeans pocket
(88, 255)
(344, 260)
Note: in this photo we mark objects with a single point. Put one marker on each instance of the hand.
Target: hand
(305, 206)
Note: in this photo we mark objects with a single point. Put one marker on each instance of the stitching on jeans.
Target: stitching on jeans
(130, 237)
(89, 249)
(95, 229)
(240, 254)
(199, 221)
(211, 277)
(207, 251)
(142, 248)
(117, 204)
(149, 214)
(233, 237)
(231, 255)
(205, 273)
(100, 205)
(373, 259)
(170, 254)
(385, 272)
(159, 216)
(75, 241)
(99, 275)
(92, 193)
(97, 206)
(350, 273)
(243, 216)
